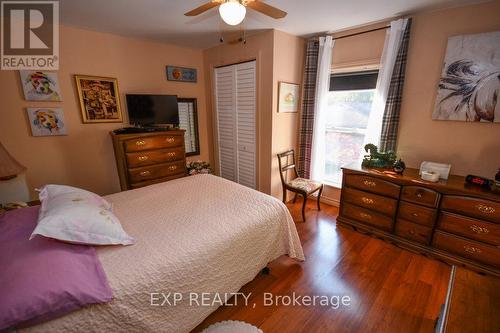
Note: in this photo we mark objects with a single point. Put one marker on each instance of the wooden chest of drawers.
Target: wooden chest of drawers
(148, 158)
(449, 220)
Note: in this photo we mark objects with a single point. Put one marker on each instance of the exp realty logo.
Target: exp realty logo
(29, 35)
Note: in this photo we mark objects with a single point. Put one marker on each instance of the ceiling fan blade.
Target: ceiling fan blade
(202, 8)
(266, 9)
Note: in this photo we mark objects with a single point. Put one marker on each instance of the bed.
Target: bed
(195, 234)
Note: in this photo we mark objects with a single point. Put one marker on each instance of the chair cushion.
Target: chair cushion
(303, 184)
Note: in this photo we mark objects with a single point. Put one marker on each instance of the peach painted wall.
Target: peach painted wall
(85, 156)
(289, 52)
(468, 147)
(260, 48)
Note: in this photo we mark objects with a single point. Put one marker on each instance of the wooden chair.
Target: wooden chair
(298, 185)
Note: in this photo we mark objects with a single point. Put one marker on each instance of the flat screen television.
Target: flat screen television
(147, 110)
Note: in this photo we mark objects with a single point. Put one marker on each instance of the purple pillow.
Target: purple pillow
(41, 279)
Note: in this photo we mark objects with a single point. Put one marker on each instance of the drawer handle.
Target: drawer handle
(365, 216)
(485, 209)
(171, 154)
(170, 139)
(411, 232)
(420, 195)
(472, 249)
(143, 158)
(172, 167)
(140, 143)
(414, 214)
(479, 230)
(367, 200)
(145, 173)
(370, 183)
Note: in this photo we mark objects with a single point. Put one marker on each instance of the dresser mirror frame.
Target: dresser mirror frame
(193, 132)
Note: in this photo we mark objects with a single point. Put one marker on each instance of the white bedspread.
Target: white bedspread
(195, 234)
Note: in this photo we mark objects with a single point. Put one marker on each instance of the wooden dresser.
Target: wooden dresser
(148, 158)
(449, 220)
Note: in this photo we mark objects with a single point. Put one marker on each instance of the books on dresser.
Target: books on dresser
(148, 158)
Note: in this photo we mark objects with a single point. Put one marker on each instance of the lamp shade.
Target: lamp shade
(232, 12)
(9, 167)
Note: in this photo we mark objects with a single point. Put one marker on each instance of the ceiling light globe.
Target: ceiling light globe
(232, 12)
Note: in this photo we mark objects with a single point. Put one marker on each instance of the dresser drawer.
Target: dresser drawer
(373, 184)
(369, 200)
(367, 216)
(414, 232)
(420, 195)
(466, 248)
(150, 157)
(154, 142)
(417, 214)
(470, 228)
(156, 171)
(474, 207)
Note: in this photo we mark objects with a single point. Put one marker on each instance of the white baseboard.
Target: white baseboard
(326, 200)
(330, 201)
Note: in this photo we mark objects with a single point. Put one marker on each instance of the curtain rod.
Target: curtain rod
(362, 32)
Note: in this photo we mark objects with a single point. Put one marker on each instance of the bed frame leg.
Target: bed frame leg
(266, 271)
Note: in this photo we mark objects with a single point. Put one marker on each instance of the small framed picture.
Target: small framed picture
(99, 99)
(181, 74)
(46, 121)
(40, 86)
(288, 97)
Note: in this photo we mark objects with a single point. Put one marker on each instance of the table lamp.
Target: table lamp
(12, 178)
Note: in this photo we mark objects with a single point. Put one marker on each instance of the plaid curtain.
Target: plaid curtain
(307, 117)
(390, 121)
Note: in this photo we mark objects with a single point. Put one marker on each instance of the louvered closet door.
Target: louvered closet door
(236, 109)
(245, 122)
(226, 121)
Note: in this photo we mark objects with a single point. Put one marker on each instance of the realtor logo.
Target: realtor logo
(29, 35)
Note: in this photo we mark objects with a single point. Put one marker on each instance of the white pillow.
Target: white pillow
(77, 216)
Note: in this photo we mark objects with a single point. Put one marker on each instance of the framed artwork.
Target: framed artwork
(288, 97)
(40, 86)
(99, 99)
(470, 81)
(46, 121)
(181, 74)
(188, 121)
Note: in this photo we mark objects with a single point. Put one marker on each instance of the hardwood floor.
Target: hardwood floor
(391, 290)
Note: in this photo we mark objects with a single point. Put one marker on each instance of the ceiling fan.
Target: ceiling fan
(233, 11)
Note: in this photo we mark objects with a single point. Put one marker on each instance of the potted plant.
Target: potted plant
(197, 167)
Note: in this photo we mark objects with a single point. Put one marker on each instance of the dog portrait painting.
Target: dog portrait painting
(40, 86)
(99, 99)
(469, 88)
(46, 121)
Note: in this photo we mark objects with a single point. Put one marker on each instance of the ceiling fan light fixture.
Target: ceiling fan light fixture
(232, 12)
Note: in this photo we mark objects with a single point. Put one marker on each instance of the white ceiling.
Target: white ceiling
(163, 20)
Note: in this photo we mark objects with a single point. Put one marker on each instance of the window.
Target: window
(349, 103)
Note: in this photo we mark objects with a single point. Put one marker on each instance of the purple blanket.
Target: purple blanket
(41, 279)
